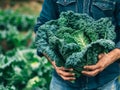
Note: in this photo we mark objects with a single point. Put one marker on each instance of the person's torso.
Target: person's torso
(97, 9)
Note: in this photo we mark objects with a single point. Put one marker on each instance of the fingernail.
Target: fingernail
(73, 74)
(71, 69)
(74, 78)
(85, 67)
(82, 72)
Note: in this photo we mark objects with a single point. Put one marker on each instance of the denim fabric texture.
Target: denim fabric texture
(58, 85)
(112, 85)
(97, 9)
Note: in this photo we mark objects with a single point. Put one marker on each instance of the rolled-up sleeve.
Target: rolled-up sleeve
(117, 17)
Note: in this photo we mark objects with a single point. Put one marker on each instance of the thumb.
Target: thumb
(101, 55)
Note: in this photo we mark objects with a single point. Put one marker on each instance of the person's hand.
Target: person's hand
(93, 70)
(104, 61)
(66, 74)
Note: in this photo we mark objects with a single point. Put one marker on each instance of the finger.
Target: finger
(66, 69)
(62, 68)
(101, 55)
(91, 67)
(91, 73)
(68, 78)
(66, 74)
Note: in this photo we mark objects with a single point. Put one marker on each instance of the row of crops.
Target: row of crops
(20, 67)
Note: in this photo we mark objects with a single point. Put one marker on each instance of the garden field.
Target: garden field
(20, 67)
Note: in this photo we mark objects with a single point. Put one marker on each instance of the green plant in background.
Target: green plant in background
(12, 38)
(20, 21)
(24, 70)
(16, 30)
(20, 67)
(2, 87)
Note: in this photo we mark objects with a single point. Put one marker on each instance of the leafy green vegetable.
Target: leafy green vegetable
(89, 55)
(21, 69)
(75, 40)
(10, 17)
(2, 87)
(12, 38)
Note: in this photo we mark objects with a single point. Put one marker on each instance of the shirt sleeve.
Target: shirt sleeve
(49, 12)
(117, 17)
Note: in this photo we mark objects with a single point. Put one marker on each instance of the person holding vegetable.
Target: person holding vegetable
(104, 74)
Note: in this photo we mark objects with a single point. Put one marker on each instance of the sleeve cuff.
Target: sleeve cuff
(37, 26)
(118, 45)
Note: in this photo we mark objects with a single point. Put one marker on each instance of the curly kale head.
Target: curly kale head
(89, 55)
(75, 40)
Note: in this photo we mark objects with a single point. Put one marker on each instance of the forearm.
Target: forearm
(114, 54)
(109, 58)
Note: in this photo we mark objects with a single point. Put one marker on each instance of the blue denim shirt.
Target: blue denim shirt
(97, 9)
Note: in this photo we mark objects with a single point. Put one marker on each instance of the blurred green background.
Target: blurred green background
(20, 67)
